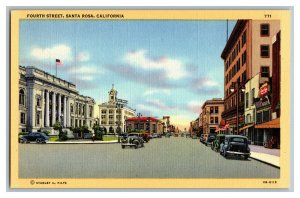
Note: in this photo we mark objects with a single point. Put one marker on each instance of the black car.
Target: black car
(34, 137)
(132, 141)
(235, 145)
(210, 138)
(202, 138)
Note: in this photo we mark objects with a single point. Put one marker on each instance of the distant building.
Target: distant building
(211, 115)
(45, 99)
(110, 114)
(145, 124)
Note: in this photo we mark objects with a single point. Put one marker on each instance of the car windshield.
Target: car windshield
(238, 139)
(43, 134)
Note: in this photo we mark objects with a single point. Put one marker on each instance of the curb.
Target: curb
(265, 162)
(82, 142)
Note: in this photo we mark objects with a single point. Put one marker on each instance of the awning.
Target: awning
(273, 124)
(246, 127)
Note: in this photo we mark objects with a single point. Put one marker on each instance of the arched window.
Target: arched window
(21, 97)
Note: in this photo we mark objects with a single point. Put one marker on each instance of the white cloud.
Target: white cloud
(173, 68)
(86, 73)
(157, 91)
(83, 56)
(62, 52)
(195, 106)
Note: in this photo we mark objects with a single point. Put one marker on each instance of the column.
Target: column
(65, 111)
(43, 108)
(53, 108)
(31, 107)
(86, 110)
(68, 112)
(47, 108)
(59, 107)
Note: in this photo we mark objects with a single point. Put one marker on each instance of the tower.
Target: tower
(112, 95)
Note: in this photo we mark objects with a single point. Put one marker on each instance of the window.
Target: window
(71, 108)
(216, 120)
(244, 38)
(264, 30)
(216, 109)
(112, 97)
(38, 102)
(238, 65)
(22, 118)
(244, 77)
(103, 111)
(264, 71)
(38, 118)
(244, 57)
(103, 117)
(211, 110)
(211, 120)
(111, 117)
(21, 97)
(247, 100)
(111, 111)
(264, 51)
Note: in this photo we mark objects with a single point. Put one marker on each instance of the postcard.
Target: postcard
(150, 98)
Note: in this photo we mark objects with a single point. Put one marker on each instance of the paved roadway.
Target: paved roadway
(175, 157)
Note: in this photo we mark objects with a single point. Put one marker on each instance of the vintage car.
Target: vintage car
(210, 138)
(235, 145)
(132, 141)
(156, 135)
(216, 144)
(202, 138)
(34, 137)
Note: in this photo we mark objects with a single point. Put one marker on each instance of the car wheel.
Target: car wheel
(224, 154)
(123, 146)
(38, 141)
(246, 157)
(23, 141)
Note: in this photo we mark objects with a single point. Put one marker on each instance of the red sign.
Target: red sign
(263, 90)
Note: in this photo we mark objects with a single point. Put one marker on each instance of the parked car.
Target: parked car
(168, 135)
(218, 141)
(210, 138)
(182, 134)
(132, 141)
(187, 135)
(235, 145)
(34, 137)
(156, 135)
(202, 138)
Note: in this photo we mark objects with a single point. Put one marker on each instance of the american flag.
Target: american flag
(59, 62)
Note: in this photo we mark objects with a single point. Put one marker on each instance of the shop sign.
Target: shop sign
(263, 90)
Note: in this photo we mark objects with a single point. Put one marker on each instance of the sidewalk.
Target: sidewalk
(84, 142)
(268, 156)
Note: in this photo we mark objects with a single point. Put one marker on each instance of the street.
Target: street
(174, 157)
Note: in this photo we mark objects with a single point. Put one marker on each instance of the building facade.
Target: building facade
(248, 52)
(45, 99)
(111, 115)
(212, 115)
(145, 124)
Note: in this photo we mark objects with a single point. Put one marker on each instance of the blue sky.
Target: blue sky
(161, 67)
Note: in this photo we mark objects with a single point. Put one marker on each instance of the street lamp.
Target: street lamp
(238, 89)
(120, 104)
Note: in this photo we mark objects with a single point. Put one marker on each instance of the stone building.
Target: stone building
(45, 99)
(110, 114)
